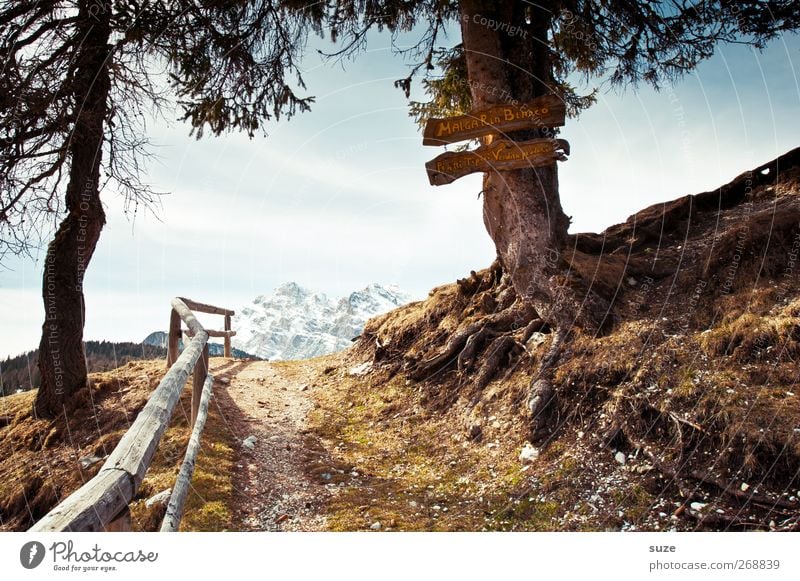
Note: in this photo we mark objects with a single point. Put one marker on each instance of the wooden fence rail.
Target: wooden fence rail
(102, 502)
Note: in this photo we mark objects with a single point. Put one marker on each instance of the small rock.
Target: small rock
(376, 526)
(631, 281)
(475, 433)
(535, 340)
(528, 453)
(249, 442)
(160, 498)
(362, 369)
(497, 425)
(87, 461)
(436, 507)
(698, 506)
(580, 435)
(224, 381)
(744, 487)
(620, 457)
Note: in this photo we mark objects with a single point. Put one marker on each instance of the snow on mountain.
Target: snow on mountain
(297, 323)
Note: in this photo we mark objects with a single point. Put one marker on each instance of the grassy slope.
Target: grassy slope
(695, 388)
(40, 459)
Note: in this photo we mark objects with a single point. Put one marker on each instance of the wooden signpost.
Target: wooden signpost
(546, 111)
(499, 155)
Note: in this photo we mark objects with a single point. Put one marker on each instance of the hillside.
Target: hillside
(42, 461)
(685, 414)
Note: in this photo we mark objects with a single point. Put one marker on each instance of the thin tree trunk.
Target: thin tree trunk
(61, 356)
(522, 209)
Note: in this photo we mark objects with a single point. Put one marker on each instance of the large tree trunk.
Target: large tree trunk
(522, 210)
(61, 357)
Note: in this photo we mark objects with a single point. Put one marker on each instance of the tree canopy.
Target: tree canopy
(226, 65)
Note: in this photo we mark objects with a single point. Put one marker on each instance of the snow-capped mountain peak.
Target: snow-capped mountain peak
(297, 323)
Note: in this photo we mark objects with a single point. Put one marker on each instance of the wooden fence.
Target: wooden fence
(102, 502)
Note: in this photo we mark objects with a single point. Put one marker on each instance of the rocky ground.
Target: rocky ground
(265, 407)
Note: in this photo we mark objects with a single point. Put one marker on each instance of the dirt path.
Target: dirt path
(272, 491)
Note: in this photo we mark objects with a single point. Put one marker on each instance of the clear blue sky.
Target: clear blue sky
(338, 198)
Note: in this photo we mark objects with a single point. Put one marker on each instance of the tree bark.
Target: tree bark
(61, 355)
(522, 209)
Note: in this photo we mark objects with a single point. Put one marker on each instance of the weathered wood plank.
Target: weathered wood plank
(203, 308)
(187, 316)
(101, 499)
(92, 506)
(199, 379)
(500, 155)
(172, 519)
(135, 450)
(102, 502)
(215, 333)
(545, 111)
(173, 338)
(227, 348)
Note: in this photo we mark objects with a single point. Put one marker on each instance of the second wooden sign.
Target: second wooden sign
(500, 155)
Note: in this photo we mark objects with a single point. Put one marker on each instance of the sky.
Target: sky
(338, 198)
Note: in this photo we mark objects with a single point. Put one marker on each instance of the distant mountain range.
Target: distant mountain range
(293, 323)
(159, 339)
(297, 323)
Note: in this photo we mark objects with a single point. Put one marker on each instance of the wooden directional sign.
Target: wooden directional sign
(500, 155)
(546, 111)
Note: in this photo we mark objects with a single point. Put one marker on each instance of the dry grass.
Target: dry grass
(40, 459)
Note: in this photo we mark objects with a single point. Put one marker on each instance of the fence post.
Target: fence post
(200, 372)
(227, 352)
(173, 337)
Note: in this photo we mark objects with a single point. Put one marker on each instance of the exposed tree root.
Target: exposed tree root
(542, 391)
(465, 344)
